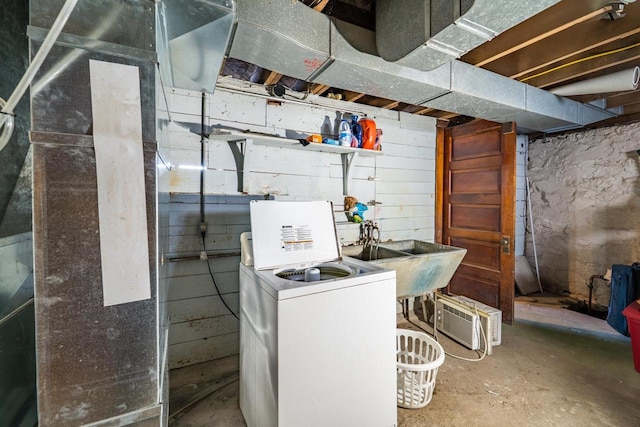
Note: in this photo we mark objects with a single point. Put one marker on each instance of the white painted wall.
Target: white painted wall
(402, 180)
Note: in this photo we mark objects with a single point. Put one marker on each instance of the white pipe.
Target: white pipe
(625, 80)
(533, 235)
(6, 120)
(35, 65)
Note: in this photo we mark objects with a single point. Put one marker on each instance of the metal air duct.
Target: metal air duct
(425, 34)
(358, 71)
(281, 35)
(331, 52)
(194, 36)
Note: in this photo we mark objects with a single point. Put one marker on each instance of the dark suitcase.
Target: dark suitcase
(625, 288)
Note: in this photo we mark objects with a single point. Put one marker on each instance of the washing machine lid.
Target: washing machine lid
(292, 233)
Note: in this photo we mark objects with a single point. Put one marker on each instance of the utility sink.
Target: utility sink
(420, 266)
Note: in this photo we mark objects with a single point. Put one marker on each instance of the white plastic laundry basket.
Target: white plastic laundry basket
(419, 356)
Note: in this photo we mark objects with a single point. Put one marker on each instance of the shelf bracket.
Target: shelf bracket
(347, 167)
(240, 149)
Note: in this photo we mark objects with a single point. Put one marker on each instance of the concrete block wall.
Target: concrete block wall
(586, 204)
(401, 181)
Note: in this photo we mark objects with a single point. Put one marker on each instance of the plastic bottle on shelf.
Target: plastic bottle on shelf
(356, 130)
(354, 141)
(330, 141)
(378, 145)
(315, 138)
(368, 133)
(344, 135)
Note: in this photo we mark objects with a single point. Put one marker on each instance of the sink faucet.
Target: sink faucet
(369, 237)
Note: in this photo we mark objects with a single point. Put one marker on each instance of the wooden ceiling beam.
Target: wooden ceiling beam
(272, 78)
(545, 21)
(415, 109)
(545, 35)
(391, 105)
(410, 108)
(320, 6)
(632, 109)
(444, 115)
(448, 116)
(318, 89)
(623, 99)
(424, 110)
(597, 66)
(613, 43)
(352, 96)
(577, 40)
(380, 102)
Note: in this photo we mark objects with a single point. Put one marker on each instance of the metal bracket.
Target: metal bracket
(240, 149)
(347, 167)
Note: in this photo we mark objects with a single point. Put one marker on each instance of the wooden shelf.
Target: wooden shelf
(240, 141)
(276, 141)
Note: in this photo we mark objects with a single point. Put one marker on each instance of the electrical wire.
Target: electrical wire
(482, 334)
(214, 281)
(203, 227)
(299, 98)
(577, 61)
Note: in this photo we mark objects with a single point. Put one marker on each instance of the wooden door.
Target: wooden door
(476, 209)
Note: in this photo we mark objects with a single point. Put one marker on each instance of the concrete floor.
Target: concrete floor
(554, 367)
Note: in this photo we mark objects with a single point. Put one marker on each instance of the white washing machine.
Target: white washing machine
(319, 352)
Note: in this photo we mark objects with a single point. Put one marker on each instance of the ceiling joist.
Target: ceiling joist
(352, 96)
(612, 43)
(546, 21)
(623, 99)
(545, 35)
(272, 78)
(318, 89)
(592, 68)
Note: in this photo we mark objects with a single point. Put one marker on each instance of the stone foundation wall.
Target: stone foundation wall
(585, 194)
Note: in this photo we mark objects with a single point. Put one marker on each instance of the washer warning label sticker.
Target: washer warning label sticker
(296, 238)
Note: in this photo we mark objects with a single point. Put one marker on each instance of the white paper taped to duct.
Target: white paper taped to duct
(117, 136)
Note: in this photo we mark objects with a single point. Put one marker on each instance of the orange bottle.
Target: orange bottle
(369, 133)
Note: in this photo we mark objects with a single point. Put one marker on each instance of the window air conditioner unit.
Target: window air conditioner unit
(490, 317)
(460, 319)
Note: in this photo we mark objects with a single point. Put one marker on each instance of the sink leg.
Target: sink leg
(423, 299)
(406, 312)
(405, 308)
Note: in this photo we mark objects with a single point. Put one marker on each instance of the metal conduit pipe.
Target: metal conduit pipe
(6, 118)
(14, 313)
